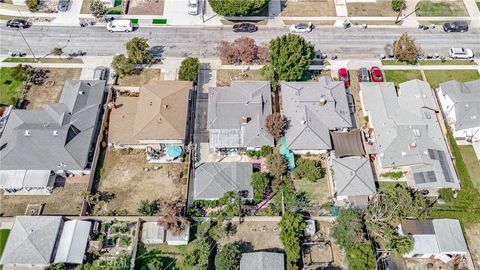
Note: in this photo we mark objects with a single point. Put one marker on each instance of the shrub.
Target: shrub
(308, 169)
(97, 8)
(197, 258)
(446, 194)
(361, 257)
(228, 257)
(238, 8)
(189, 69)
(260, 182)
(292, 228)
(22, 72)
(148, 208)
(32, 5)
(397, 5)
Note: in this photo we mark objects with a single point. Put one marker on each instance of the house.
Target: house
(407, 135)
(37, 241)
(353, 181)
(154, 233)
(439, 238)
(158, 116)
(460, 104)
(236, 115)
(312, 110)
(214, 179)
(262, 261)
(59, 138)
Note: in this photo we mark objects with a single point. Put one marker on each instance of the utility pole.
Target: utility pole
(35, 58)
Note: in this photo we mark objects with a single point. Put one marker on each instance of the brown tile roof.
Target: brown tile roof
(159, 113)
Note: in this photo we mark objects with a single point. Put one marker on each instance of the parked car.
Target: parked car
(245, 27)
(458, 26)
(120, 26)
(344, 76)
(301, 28)
(100, 73)
(17, 23)
(193, 7)
(63, 5)
(363, 75)
(376, 74)
(460, 53)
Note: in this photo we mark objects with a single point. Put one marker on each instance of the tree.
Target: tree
(89, 198)
(402, 244)
(122, 65)
(228, 257)
(172, 221)
(197, 258)
(97, 8)
(189, 69)
(226, 52)
(260, 182)
(241, 50)
(268, 73)
(32, 5)
(290, 56)
(56, 266)
(275, 125)
(291, 199)
(276, 164)
(148, 208)
(308, 169)
(348, 228)
(361, 257)
(397, 5)
(292, 227)
(238, 8)
(405, 49)
(22, 72)
(263, 53)
(57, 51)
(137, 49)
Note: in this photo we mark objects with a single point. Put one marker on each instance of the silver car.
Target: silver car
(301, 28)
(363, 75)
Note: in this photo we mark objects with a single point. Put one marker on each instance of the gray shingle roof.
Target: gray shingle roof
(353, 177)
(57, 137)
(213, 179)
(31, 240)
(227, 106)
(262, 261)
(407, 132)
(309, 122)
(466, 97)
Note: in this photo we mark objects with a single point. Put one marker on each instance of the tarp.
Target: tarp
(287, 154)
(348, 143)
(174, 151)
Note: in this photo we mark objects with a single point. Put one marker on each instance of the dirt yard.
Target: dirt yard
(125, 177)
(142, 78)
(146, 7)
(473, 239)
(64, 200)
(262, 235)
(225, 76)
(381, 8)
(324, 232)
(51, 89)
(309, 8)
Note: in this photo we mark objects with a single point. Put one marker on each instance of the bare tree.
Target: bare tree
(405, 48)
(171, 220)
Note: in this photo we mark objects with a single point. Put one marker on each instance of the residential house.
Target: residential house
(236, 115)
(438, 238)
(262, 261)
(407, 135)
(57, 139)
(214, 179)
(37, 241)
(312, 110)
(353, 181)
(460, 104)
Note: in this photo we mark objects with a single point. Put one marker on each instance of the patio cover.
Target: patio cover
(73, 242)
(17, 179)
(348, 143)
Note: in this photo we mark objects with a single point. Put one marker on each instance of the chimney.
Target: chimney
(323, 102)
(27, 132)
(244, 120)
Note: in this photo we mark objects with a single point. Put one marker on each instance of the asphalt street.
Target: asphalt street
(202, 41)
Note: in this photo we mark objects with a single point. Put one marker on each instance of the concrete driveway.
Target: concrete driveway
(176, 12)
(69, 17)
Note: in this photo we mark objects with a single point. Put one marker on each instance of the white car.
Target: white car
(460, 53)
(301, 28)
(193, 7)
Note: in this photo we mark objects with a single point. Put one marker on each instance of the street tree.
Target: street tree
(189, 69)
(397, 5)
(241, 50)
(275, 125)
(137, 50)
(292, 227)
(238, 8)
(405, 49)
(122, 65)
(97, 8)
(228, 257)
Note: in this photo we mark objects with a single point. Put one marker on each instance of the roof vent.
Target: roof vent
(55, 133)
(166, 106)
(244, 120)
(81, 92)
(303, 122)
(404, 154)
(151, 103)
(27, 132)
(323, 102)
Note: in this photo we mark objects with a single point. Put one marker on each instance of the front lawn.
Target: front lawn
(435, 77)
(470, 159)
(309, 8)
(142, 78)
(376, 9)
(427, 8)
(446, 62)
(400, 76)
(10, 87)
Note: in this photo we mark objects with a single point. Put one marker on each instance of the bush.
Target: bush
(263, 152)
(393, 175)
(361, 257)
(197, 258)
(446, 194)
(292, 228)
(189, 69)
(308, 169)
(122, 65)
(260, 182)
(148, 208)
(22, 72)
(228, 257)
(97, 9)
(32, 5)
(238, 8)
(397, 5)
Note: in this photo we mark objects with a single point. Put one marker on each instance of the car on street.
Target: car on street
(63, 5)
(193, 7)
(301, 28)
(458, 26)
(100, 73)
(124, 25)
(344, 76)
(460, 53)
(376, 74)
(17, 23)
(363, 75)
(245, 27)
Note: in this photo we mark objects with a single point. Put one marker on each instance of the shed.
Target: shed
(262, 261)
(179, 239)
(152, 233)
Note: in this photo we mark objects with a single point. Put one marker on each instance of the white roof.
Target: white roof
(450, 236)
(24, 178)
(424, 244)
(73, 242)
(153, 231)
(182, 237)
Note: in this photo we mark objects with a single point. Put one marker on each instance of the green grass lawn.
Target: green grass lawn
(400, 76)
(478, 5)
(43, 60)
(383, 185)
(470, 159)
(3, 240)
(435, 77)
(9, 87)
(317, 192)
(428, 8)
(390, 62)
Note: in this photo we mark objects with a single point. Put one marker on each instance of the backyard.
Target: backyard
(260, 234)
(225, 76)
(378, 9)
(309, 8)
(470, 159)
(400, 76)
(145, 76)
(9, 86)
(435, 77)
(124, 176)
(427, 8)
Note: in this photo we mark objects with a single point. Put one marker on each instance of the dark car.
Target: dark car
(245, 27)
(459, 26)
(63, 5)
(364, 75)
(17, 23)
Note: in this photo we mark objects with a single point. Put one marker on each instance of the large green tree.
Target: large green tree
(260, 181)
(292, 227)
(349, 228)
(290, 57)
(238, 8)
(361, 257)
(189, 69)
(308, 169)
(405, 49)
(228, 257)
(137, 49)
(122, 65)
(197, 258)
